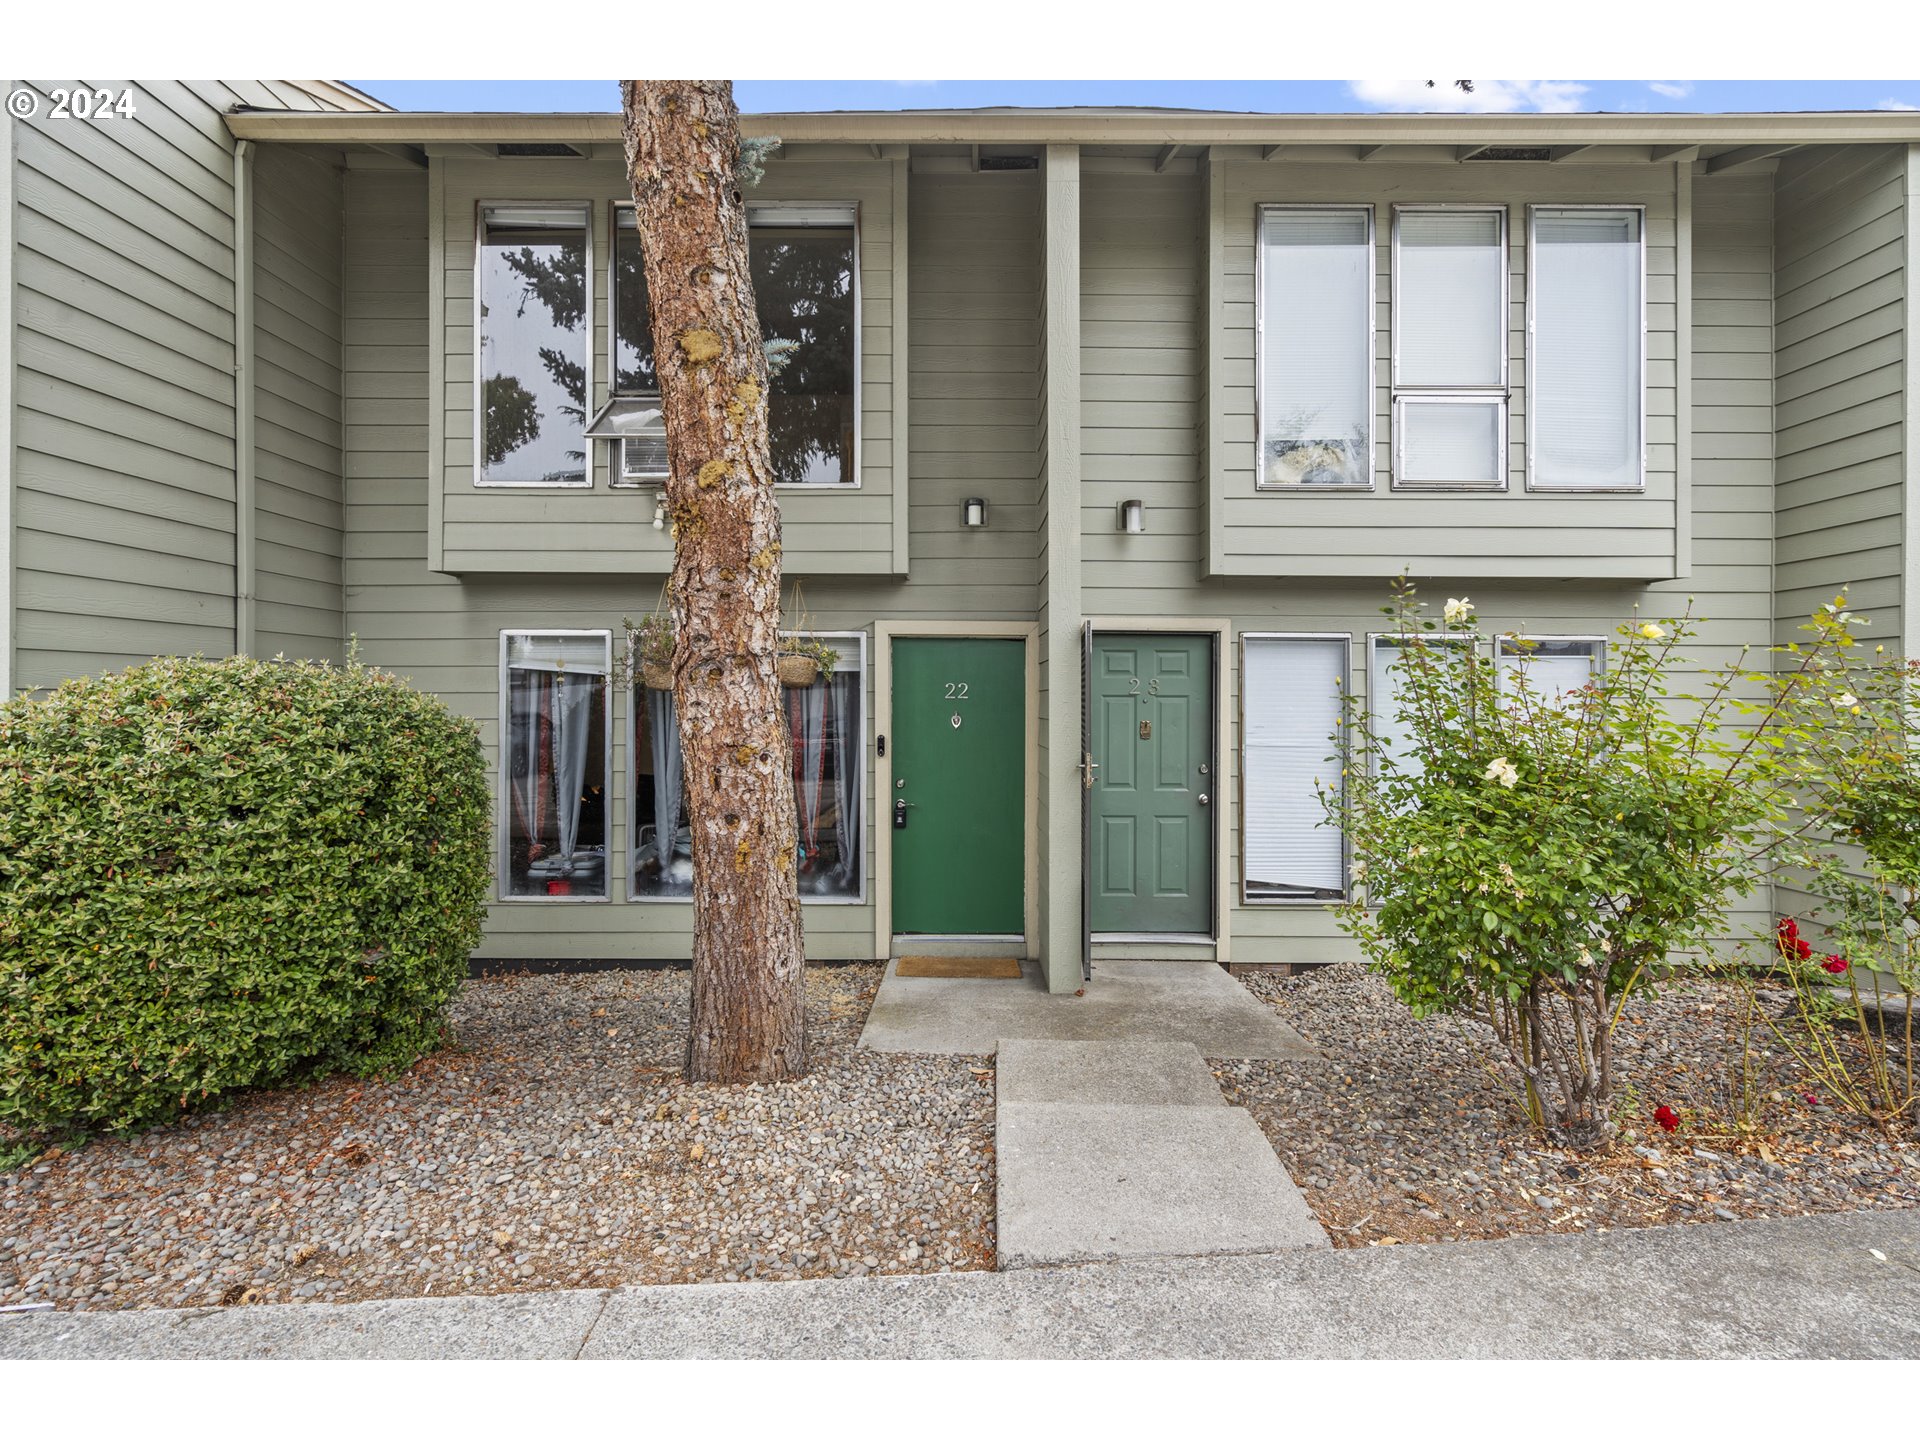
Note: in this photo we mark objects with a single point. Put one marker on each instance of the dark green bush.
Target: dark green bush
(216, 874)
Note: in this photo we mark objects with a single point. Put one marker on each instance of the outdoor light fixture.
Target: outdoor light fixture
(1133, 517)
(973, 513)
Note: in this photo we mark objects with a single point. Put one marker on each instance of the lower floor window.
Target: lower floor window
(1290, 752)
(825, 723)
(555, 767)
(1550, 667)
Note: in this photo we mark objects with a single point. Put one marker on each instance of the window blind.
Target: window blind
(1449, 442)
(1450, 331)
(1316, 325)
(1291, 697)
(1552, 668)
(1393, 729)
(1587, 349)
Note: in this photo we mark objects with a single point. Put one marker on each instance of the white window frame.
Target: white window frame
(481, 208)
(503, 802)
(859, 897)
(621, 210)
(1376, 639)
(1344, 751)
(1501, 392)
(1533, 302)
(1503, 657)
(1260, 482)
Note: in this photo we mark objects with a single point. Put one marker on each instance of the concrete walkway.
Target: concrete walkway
(1191, 1000)
(1121, 1149)
(1765, 1288)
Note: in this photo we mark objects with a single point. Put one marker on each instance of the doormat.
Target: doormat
(958, 967)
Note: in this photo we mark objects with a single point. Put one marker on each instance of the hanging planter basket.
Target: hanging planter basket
(797, 672)
(656, 674)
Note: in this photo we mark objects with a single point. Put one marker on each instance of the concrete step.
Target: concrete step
(1105, 1072)
(1107, 1182)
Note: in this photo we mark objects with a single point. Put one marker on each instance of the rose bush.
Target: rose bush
(1536, 857)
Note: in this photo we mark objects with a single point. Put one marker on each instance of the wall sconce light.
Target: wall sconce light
(973, 513)
(1133, 517)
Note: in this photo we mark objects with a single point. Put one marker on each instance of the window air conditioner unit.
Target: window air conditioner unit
(643, 458)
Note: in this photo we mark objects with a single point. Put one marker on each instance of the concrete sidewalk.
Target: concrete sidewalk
(1772, 1289)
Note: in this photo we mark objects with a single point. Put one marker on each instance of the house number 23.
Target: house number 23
(1153, 686)
(957, 690)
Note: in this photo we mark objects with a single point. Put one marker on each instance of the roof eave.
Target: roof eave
(1104, 127)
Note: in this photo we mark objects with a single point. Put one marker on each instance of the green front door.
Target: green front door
(958, 806)
(1151, 866)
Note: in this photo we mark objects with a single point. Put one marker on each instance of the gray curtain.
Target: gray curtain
(847, 765)
(663, 730)
(572, 725)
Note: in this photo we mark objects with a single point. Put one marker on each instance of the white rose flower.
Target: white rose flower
(1845, 700)
(1458, 610)
(1503, 771)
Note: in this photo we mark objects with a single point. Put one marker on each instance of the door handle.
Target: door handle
(1087, 766)
(1203, 799)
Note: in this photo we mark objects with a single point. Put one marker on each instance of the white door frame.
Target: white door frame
(1226, 778)
(885, 632)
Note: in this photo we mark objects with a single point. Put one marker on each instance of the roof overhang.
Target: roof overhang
(1095, 126)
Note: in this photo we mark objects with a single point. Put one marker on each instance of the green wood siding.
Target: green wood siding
(1839, 288)
(610, 531)
(298, 248)
(1513, 535)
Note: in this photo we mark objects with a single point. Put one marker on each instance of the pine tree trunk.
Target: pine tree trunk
(682, 139)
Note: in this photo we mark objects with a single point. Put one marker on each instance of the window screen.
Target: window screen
(1449, 441)
(554, 765)
(826, 727)
(1552, 668)
(533, 346)
(1291, 691)
(1316, 346)
(1584, 390)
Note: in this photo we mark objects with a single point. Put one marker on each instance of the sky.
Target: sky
(1298, 96)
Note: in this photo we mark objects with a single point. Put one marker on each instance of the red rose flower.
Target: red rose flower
(1789, 928)
(1834, 964)
(1667, 1120)
(1803, 950)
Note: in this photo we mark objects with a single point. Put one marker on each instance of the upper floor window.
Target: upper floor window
(1450, 346)
(804, 265)
(1587, 350)
(1314, 346)
(532, 348)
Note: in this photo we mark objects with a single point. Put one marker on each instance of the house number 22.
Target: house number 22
(957, 690)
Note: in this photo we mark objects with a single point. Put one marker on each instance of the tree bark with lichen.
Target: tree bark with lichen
(682, 144)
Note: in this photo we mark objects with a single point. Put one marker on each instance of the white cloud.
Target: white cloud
(1488, 97)
(1672, 89)
(1891, 104)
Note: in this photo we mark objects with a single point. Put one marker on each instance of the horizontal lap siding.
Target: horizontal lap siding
(299, 416)
(123, 428)
(1512, 535)
(1839, 289)
(974, 429)
(609, 531)
(1143, 402)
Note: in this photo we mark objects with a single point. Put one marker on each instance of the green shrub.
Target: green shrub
(216, 874)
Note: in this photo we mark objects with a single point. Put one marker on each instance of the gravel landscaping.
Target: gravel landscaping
(1403, 1135)
(554, 1145)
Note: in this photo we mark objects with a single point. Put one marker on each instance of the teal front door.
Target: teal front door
(1151, 830)
(958, 805)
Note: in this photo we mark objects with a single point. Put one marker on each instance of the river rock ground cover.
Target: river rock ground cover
(1404, 1134)
(552, 1145)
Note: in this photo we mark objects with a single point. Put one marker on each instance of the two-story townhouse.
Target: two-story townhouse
(1103, 434)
